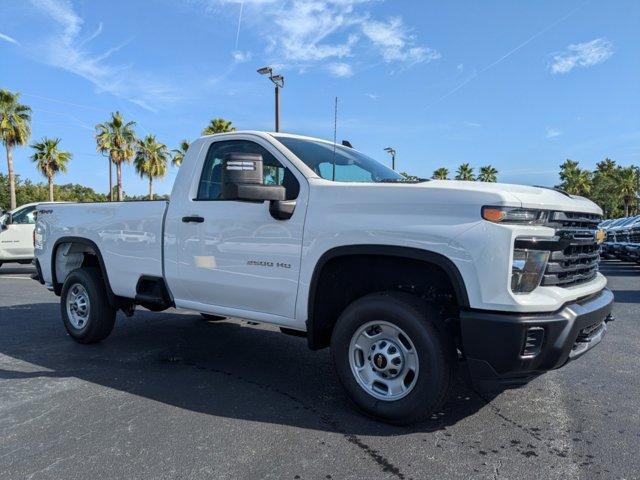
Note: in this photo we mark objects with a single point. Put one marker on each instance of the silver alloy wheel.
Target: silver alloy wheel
(78, 306)
(383, 360)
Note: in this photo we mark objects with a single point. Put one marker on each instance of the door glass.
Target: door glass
(26, 216)
(210, 186)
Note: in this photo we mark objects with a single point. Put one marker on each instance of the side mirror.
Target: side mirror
(242, 179)
(5, 224)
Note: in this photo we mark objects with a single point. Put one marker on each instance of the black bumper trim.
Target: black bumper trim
(492, 341)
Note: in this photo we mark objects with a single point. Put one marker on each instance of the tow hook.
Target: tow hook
(609, 318)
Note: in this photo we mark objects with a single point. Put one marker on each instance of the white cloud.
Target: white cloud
(303, 33)
(395, 42)
(340, 69)
(9, 39)
(585, 54)
(553, 132)
(241, 57)
(305, 28)
(372, 96)
(65, 49)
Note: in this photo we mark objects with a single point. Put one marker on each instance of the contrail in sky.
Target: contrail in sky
(239, 23)
(506, 55)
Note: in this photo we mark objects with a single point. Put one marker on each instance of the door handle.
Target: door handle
(193, 219)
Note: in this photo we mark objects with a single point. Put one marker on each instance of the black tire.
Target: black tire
(436, 355)
(101, 317)
(212, 318)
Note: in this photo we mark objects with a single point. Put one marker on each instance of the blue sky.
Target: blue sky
(519, 85)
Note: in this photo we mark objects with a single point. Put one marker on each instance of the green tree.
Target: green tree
(465, 172)
(15, 129)
(603, 188)
(29, 192)
(574, 180)
(218, 125)
(488, 174)
(117, 139)
(441, 173)
(627, 184)
(50, 160)
(151, 160)
(178, 154)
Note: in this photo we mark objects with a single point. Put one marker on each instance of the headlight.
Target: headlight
(526, 216)
(527, 269)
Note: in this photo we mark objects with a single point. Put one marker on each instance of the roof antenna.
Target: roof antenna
(335, 131)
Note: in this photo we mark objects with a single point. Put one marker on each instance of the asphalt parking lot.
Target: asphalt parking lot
(169, 395)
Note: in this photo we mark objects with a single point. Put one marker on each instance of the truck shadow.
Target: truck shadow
(226, 369)
(16, 269)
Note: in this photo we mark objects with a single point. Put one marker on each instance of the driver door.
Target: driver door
(238, 258)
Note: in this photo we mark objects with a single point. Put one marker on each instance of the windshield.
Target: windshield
(339, 163)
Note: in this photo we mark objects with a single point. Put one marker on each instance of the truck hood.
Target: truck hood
(526, 196)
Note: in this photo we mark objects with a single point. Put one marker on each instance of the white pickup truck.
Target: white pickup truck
(16, 234)
(403, 280)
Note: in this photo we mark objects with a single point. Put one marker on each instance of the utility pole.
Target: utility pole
(391, 151)
(278, 81)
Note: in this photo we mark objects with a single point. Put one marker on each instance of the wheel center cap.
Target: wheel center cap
(380, 360)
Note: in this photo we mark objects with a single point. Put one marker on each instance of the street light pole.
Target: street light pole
(392, 152)
(278, 81)
(277, 93)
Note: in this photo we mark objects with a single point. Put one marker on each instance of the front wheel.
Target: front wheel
(393, 358)
(86, 312)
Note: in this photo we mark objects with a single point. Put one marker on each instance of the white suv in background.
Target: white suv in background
(16, 234)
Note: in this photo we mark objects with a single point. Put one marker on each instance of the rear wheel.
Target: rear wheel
(212, 318)
(86, 312)
(393, 358)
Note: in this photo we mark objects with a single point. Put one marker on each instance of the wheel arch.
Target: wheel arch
(88, 247)
(318, 329)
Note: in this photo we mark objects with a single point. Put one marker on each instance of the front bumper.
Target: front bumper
(494, 342)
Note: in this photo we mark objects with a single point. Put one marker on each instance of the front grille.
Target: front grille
(634, 236)
(578, 262)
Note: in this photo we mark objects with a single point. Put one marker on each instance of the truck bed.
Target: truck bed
(128, 234)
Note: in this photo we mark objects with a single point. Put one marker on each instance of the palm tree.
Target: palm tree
(151, 160)
(15, 129)
(50, 160)
(441, 173)
(218, 125)
(488, 174)
(603, 190)
(117, 139)
(177, 154)
(627, 180)
(578, 182)
(465, 172)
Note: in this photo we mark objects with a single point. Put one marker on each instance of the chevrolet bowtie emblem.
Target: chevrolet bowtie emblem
(600, 236)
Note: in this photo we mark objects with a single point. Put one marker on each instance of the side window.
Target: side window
(210, 186)
(26, 216)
